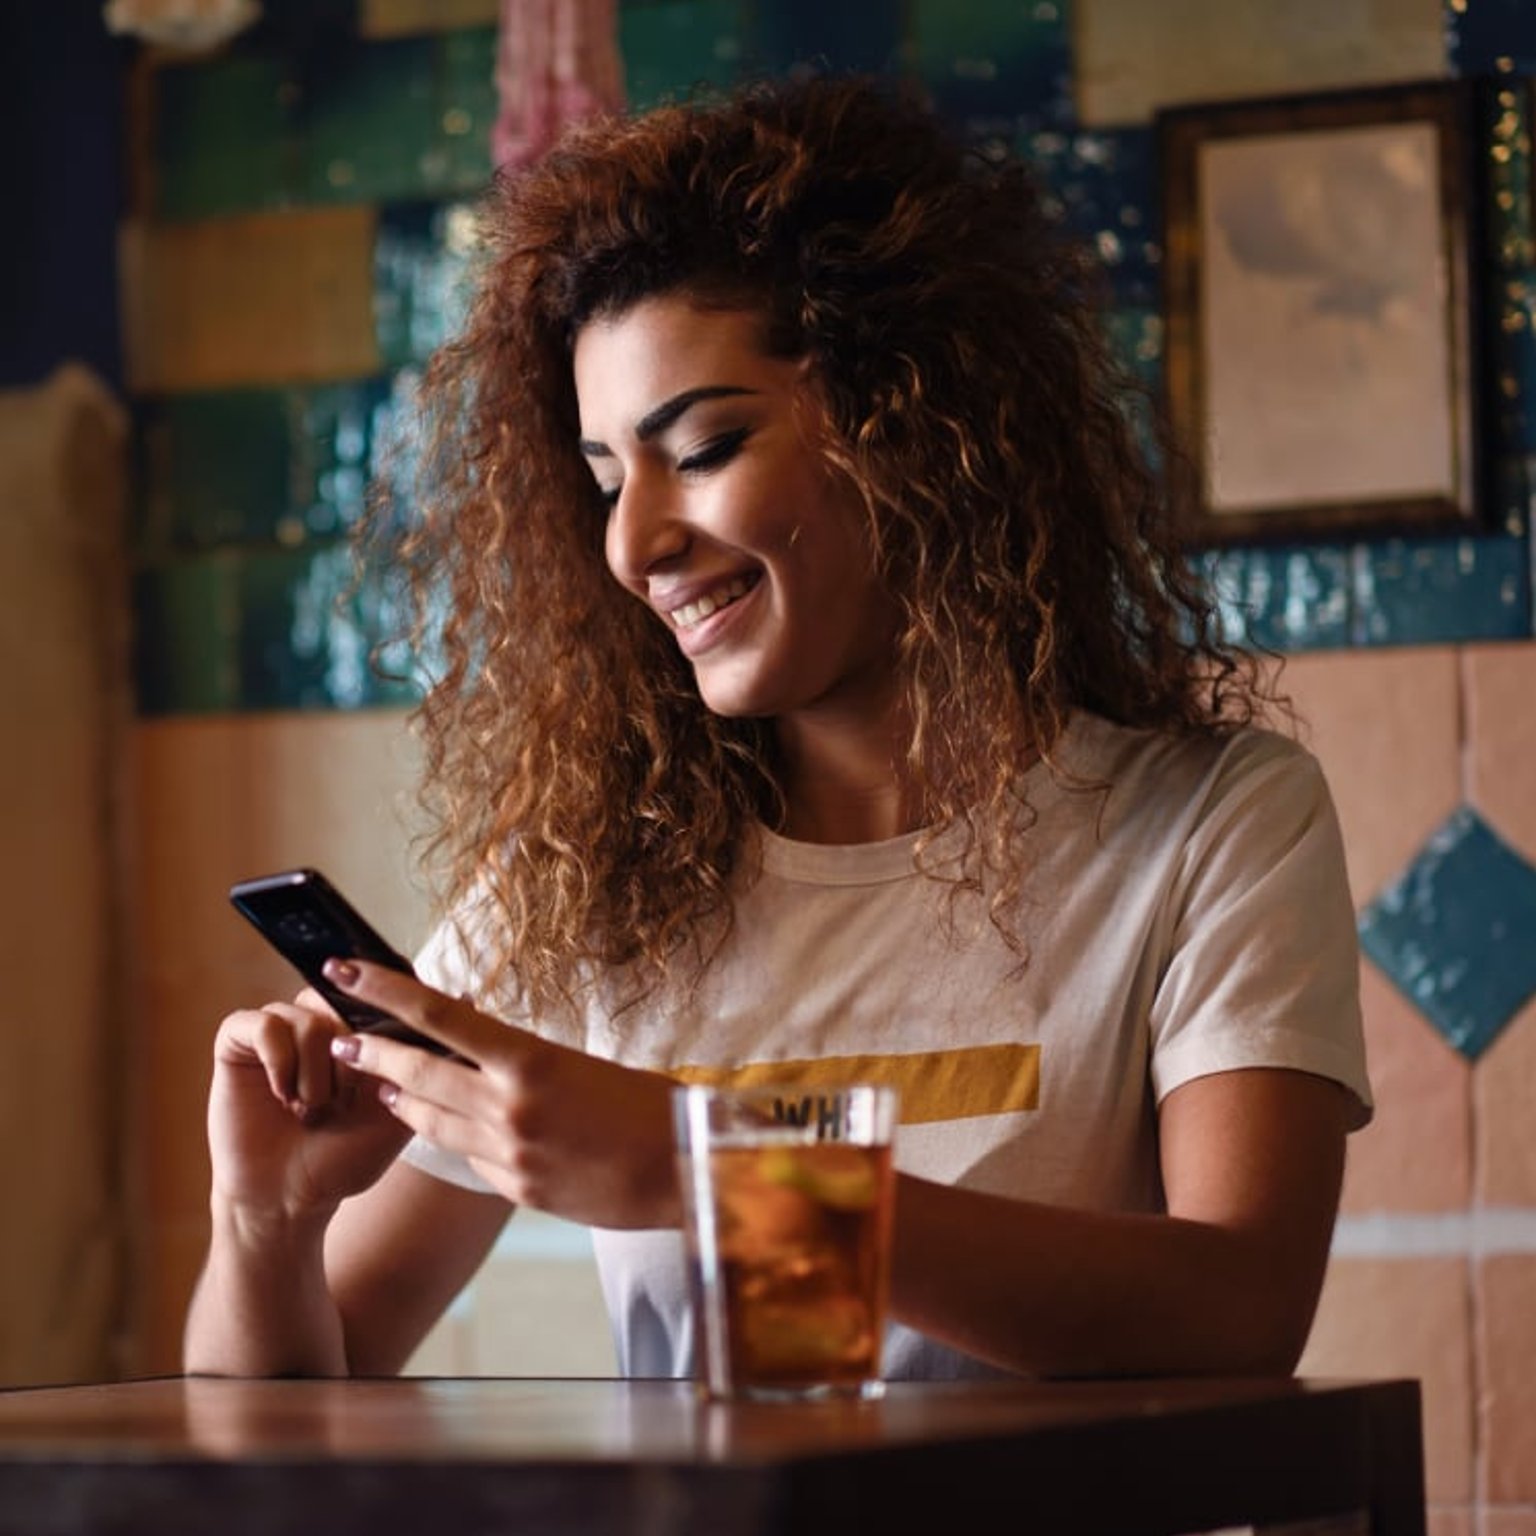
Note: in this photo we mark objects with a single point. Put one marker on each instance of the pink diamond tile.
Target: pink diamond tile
(1503, 1093)
(1501, 739)
(1385, 724)
(1414, 1156)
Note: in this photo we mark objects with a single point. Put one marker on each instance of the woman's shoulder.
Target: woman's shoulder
(1169, 773)
(1097, 748)
(1208, 814)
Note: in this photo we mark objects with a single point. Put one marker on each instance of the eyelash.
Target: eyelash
(715, 453)
(719, 450)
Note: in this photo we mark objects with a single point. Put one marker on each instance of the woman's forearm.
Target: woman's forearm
(1252, 1163)
(1059, 1292)
(262, 1305)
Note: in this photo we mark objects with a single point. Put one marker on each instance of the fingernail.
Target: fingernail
(346, 1047)
(388, 1093)
(342, 972)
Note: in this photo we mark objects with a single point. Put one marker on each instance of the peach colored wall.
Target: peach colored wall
(226, 797)
(1434, 1274)
(219, 799)
(63, 632)
(1434, 1267)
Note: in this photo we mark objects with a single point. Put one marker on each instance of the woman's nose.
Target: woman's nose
(644, 529)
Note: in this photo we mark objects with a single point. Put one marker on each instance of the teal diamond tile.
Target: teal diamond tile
(1456, 933)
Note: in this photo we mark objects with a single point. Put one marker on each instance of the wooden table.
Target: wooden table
(461, 1457)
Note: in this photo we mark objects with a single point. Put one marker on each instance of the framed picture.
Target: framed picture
(1322, 313)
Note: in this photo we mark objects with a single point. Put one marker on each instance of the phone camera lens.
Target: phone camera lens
(302, 928)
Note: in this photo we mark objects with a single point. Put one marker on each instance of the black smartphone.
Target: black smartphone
(308, 921)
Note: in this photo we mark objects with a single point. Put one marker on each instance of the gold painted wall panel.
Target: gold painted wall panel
(260, 299)
(1132, 57)
(396, 18)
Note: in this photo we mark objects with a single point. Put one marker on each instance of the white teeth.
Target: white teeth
(712, 602)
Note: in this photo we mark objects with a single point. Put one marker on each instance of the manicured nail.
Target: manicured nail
(346, 1047)
(342, 972)
(388, 1093)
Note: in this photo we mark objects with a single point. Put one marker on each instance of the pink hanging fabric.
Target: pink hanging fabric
(556, 61)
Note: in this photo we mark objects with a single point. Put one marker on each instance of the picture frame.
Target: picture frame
(1323, 312)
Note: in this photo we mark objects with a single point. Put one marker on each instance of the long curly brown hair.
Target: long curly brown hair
(577, 780)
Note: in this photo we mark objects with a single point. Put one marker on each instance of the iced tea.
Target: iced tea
(790, 1239)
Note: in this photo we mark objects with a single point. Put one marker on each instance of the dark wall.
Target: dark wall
(61, 144)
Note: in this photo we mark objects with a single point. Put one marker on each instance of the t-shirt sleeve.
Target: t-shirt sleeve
(443, 962)
(1264, 964)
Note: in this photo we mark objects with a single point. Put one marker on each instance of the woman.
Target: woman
(821, 686)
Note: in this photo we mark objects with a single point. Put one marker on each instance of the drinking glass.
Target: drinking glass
(788, 1196)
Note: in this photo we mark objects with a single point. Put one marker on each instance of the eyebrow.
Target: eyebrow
(657, 420)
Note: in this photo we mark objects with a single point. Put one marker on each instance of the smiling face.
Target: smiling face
(724, 519)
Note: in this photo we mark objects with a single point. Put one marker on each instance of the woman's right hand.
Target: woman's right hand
(291, 1131)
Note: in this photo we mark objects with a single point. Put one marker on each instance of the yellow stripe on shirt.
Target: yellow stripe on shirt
(934, 1085)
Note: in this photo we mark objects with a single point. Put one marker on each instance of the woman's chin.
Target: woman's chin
(736, 699)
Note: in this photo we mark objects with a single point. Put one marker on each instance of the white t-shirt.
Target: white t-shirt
(1195, 920)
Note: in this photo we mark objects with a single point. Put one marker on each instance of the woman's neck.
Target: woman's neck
(844, 784)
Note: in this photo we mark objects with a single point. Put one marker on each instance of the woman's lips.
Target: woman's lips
(695, 612)
(700, 624)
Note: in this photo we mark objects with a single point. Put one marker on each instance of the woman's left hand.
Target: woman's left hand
(546, 1126)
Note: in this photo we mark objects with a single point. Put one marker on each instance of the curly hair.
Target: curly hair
(575, 777)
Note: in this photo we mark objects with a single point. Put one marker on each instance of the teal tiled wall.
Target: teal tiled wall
(670, 46)
(1453, 931)
(406, 118)
(245, 627)
(246, 495)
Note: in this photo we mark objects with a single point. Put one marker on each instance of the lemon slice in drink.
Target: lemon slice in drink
(841, 1178)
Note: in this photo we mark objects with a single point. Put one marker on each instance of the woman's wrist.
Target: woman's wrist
(268, 1230)
(262, 1306)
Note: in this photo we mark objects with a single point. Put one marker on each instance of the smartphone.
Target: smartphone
(308, 921)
